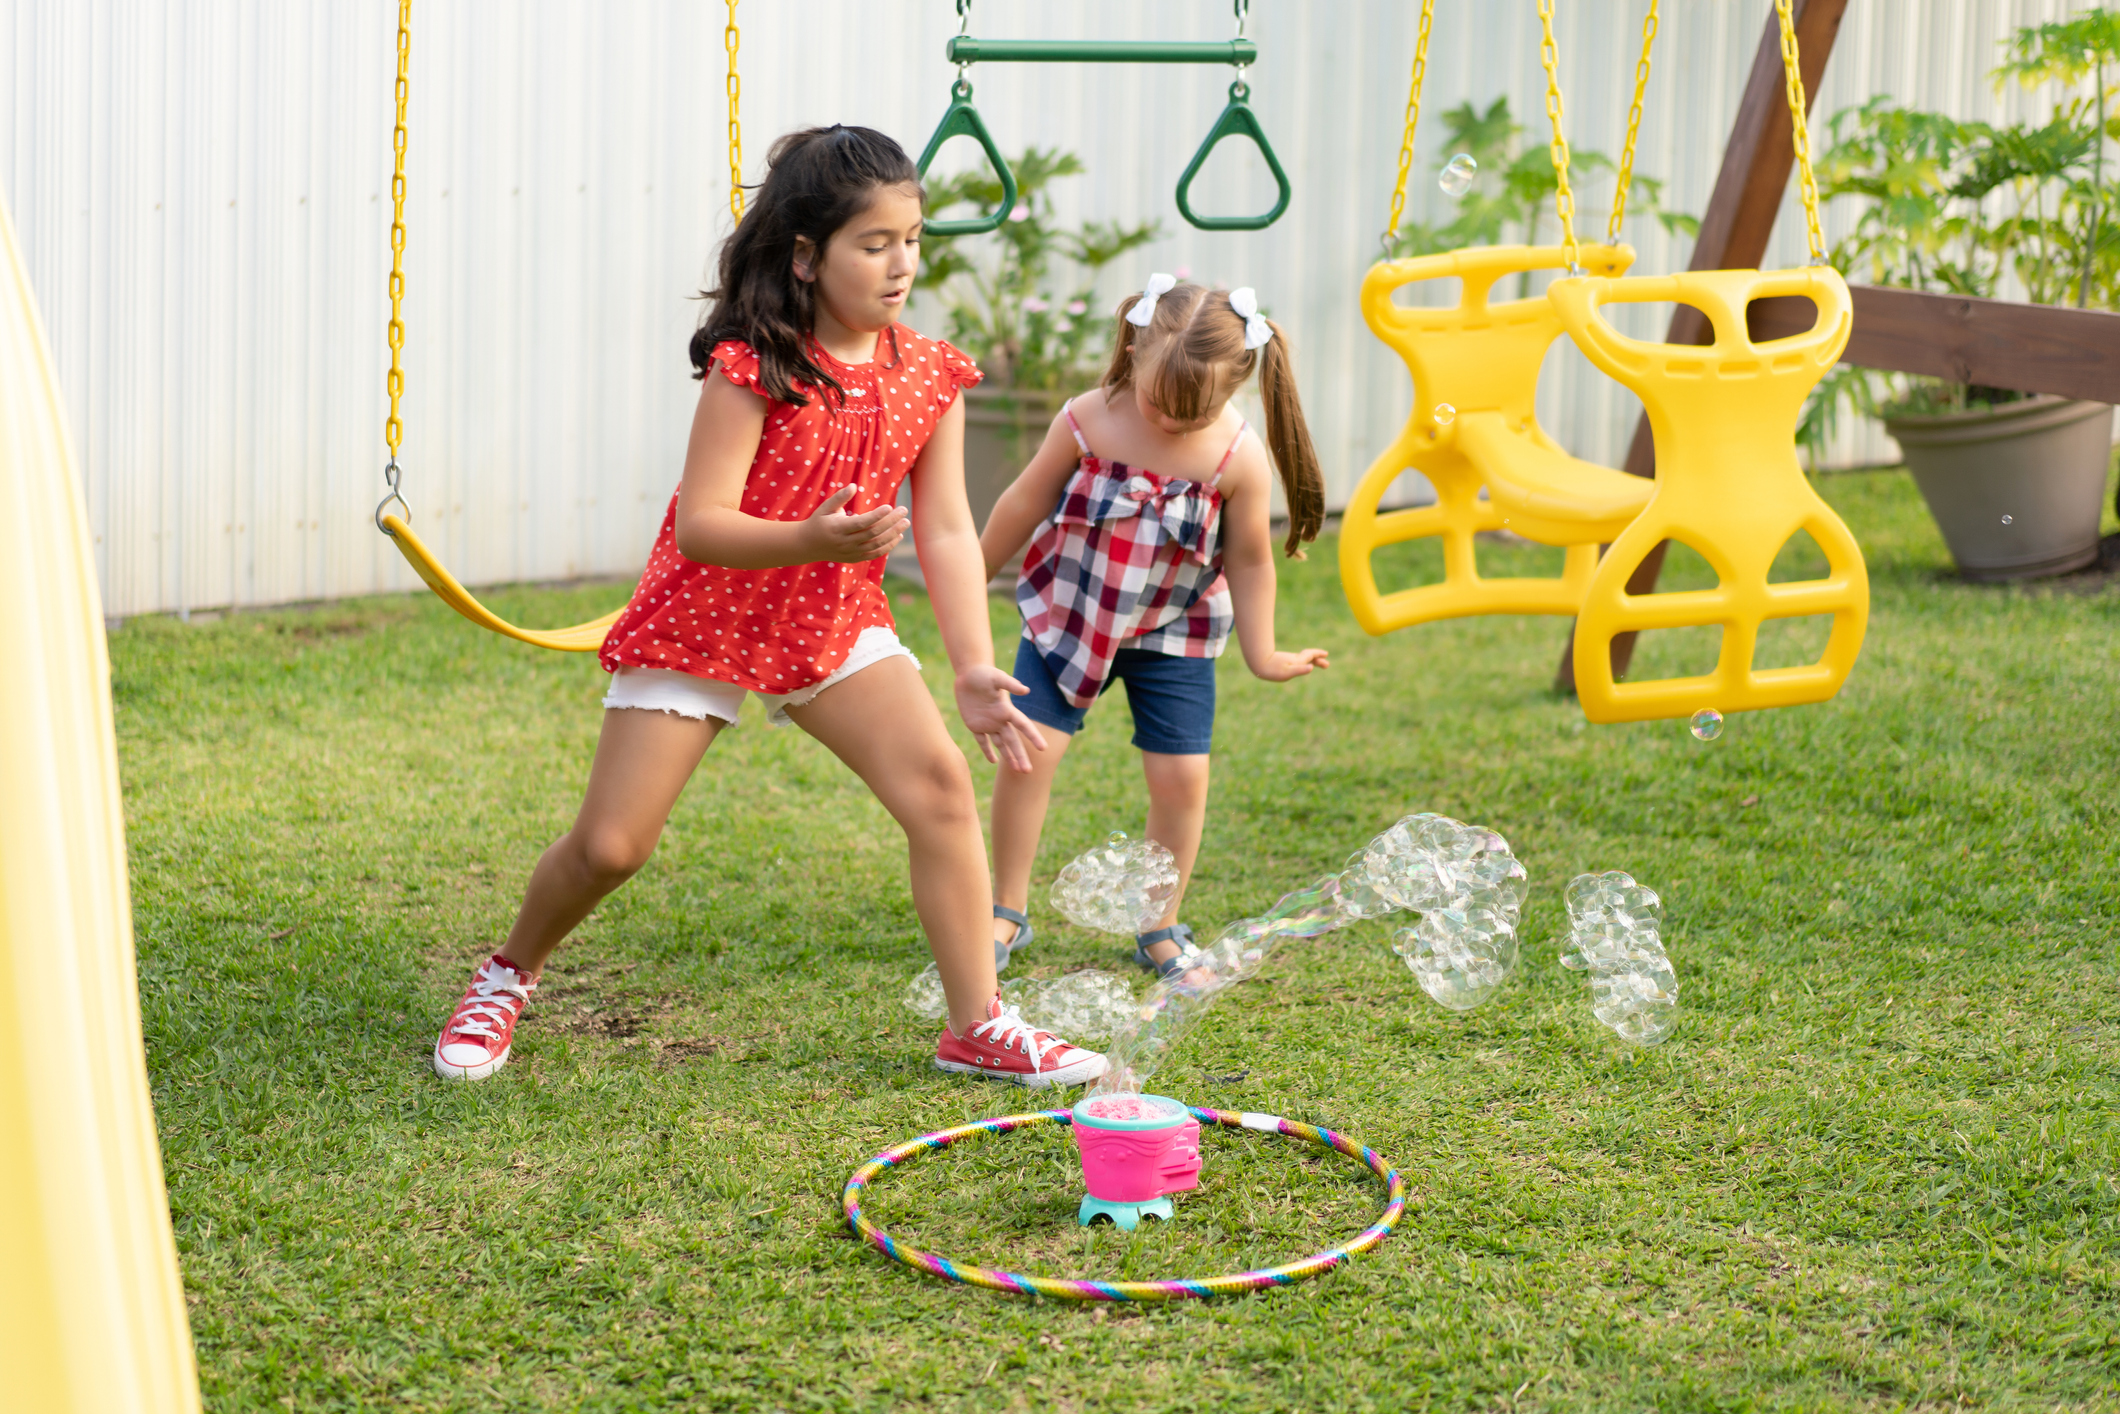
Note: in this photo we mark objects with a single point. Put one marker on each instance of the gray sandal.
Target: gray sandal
(1178, 933)
(1022, 936)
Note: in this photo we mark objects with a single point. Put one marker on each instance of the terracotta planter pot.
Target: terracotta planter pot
(2018, 489)
(1002, 429)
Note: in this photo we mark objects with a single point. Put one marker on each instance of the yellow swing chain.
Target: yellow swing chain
(393, 430)
(1563, 198)
(1634, 127)
(1792, 74)
(1413, 120)
(731, 37)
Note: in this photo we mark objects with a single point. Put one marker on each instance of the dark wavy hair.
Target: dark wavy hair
(817, 180)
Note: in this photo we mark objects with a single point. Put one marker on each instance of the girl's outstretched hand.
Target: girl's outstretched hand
(851, 539)
(1283, 666)
(1005, 734)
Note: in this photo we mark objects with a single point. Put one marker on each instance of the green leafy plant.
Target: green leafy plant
(1512, 194)
(1963, 207)
(2076, 53)
(1021, 299)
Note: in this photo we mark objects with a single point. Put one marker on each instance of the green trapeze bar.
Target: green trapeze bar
(966, 49)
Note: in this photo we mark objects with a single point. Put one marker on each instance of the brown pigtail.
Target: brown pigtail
(1288, 436)
(1192, 356)
(1119, 376)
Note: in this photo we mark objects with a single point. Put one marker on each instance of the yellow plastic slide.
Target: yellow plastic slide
(91, 1310)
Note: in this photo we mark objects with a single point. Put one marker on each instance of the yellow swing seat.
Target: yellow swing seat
(1474, 428)
(1543, 493)
(1728, 484)
(581, 638)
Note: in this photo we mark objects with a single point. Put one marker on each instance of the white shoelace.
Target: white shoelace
(497, 1001)
(1011, 1027)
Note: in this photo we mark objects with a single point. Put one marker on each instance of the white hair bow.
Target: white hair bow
(1245, 301)
(1159, 285)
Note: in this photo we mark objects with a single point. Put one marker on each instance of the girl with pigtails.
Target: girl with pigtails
(1147, 515)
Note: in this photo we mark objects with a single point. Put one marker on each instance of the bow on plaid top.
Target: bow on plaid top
(1130, 558)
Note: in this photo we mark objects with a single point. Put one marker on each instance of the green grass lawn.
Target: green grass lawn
(1877, 1167)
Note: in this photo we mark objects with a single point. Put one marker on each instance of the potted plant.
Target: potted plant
(2016, 481)
(1037, 332)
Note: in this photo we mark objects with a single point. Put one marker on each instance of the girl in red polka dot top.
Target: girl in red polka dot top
(766, 578)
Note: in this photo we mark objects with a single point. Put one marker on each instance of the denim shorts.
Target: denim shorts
(1173, 698)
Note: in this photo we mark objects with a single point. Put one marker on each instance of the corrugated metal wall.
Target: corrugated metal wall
(202, 191)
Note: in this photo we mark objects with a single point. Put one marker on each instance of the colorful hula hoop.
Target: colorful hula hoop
(997, 1279)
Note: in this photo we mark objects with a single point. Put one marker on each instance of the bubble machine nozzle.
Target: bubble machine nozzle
(1137, 1150)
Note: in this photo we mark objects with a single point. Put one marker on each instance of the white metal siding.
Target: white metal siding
(202, 192)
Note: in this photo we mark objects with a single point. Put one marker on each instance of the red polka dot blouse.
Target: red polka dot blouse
(782, 630)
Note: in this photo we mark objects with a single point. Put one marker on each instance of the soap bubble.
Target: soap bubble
(1460, 956)
(1461, 878)
(1707, 724)
(1080, 1006)
(1445, 414)
(2005, 520)
(925, 994)
(1614, 927)
(1121, 886)
(1457, 174)
(1308, 911)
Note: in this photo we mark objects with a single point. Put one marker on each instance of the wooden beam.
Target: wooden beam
(2032, 348)
(1735, 229)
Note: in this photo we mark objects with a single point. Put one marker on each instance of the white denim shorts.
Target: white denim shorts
(667, 690)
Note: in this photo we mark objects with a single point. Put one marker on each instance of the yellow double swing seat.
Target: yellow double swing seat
(1474, 434)
(1728, 484)
(1723, 418)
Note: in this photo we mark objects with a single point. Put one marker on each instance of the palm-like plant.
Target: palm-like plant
(1004, 306)
(2069, 53)
(1513, 191)
(1958, 207)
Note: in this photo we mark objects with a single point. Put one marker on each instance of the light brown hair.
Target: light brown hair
(1191, 357)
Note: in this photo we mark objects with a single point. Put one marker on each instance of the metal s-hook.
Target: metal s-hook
(391, 474)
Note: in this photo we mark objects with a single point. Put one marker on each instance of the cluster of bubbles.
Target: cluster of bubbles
(1457, 174)
(1122, 886)
(1461, 878)
(1130, 1107)
(1462, 881)
(1614, 936)
(1080, 1006)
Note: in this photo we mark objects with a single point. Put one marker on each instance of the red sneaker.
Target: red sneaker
(475, 1043)
(1006, 1047)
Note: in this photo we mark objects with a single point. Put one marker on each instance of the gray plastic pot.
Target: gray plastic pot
(2017, 489)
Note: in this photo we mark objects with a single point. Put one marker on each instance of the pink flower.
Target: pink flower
(1075, 306)
(1183, 272)
(1032, 304)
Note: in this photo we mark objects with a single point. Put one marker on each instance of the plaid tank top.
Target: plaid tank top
(1130, 558)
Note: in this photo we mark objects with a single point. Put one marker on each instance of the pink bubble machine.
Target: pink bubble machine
(1136, 1150)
